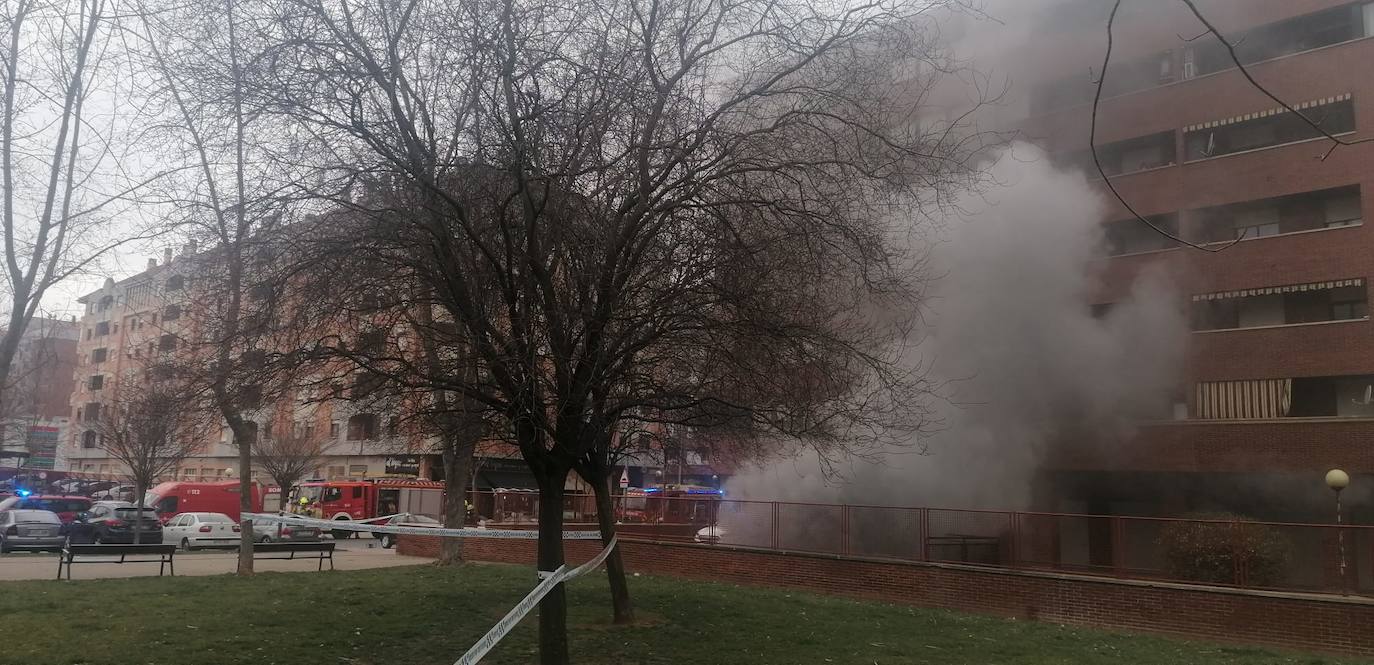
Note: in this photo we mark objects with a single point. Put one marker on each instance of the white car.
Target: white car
(192, 530)
(712, 534)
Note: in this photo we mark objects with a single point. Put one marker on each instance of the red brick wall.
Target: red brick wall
(1281, 620)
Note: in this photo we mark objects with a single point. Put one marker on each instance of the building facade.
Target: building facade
(1279, 379)
(35, 419)
(133, 323)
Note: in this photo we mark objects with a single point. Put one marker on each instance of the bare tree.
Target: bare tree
(60, 170)
(234, 197)
(678, 210)
(289, 455)
(153, 423)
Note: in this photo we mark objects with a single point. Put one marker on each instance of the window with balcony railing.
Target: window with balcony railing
(1268, 128)
(1294, 213)
(1335, 300)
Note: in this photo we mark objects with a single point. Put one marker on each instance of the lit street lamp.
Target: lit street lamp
(1338, 480)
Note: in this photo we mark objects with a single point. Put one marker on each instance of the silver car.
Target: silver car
(30, 530)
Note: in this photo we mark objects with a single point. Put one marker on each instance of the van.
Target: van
(174, 498)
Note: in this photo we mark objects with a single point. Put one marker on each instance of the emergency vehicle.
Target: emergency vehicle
(173, 498)
(366, 498)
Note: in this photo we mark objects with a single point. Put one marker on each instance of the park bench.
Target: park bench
(319, 550)
(143, 553)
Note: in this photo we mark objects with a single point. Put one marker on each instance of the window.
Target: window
(93, 412)
(334, 430)
(362, 427)
(1294, 35)
(170, 313)
(1130, 236)
(357, 470)
(1337, 300)
(105, 303)
(1328, 208)
(102, 328)
(188, 474)
(89, 439)
(97, 382)
(99, 355)
(365, 384)
(88, 333)
(176, 282)
(1265, 129)
(1129, 156)
(331, 494)
(167, 343)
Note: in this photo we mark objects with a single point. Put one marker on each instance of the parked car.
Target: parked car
(268, 532)
(192, 530)
(23, 529)
(66, 507)
(712, 534)
(111, 522)
(389, 539)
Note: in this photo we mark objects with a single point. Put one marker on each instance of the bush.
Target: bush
(1211, 551)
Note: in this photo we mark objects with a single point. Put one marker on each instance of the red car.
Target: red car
(66, 507)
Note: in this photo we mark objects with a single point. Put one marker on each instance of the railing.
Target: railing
(1240, 553)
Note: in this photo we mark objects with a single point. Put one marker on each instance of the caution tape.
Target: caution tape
(350, 525)
(513, 617)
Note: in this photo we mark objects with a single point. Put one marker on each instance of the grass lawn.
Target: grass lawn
(426, 614)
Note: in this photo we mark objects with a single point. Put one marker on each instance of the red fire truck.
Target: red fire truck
(366, 498)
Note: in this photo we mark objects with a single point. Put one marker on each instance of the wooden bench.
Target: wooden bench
(320, 550)
(163, 553)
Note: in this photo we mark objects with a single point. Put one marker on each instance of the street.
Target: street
(352, 554)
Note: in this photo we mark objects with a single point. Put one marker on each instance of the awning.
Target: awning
(492, 480)
(1264, 114)
(1244, 400)
(1270, 290)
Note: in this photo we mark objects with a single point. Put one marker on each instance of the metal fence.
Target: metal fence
(1268, 555)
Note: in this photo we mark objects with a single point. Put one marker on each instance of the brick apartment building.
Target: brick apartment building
(129, 323)
(1279, 382)
(36, 414)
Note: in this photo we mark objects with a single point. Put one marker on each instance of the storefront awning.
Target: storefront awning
(1271, 290)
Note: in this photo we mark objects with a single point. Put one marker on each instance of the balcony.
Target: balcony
(1294, 304)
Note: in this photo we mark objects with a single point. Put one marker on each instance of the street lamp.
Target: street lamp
(1338, 480)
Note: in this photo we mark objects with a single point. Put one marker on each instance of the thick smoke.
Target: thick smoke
(1025, 359)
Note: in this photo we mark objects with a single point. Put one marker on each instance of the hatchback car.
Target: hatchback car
(192, 530)
(274, 532)
(30, 530)
(115, 524)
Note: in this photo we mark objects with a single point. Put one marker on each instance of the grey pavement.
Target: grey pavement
(352, 554)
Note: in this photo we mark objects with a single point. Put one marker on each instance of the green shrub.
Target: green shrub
(1211, 551)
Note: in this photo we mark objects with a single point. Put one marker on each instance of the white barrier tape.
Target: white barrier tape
(513, 617)
(350, 525)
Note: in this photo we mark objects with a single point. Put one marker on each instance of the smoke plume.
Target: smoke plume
(1025, 360)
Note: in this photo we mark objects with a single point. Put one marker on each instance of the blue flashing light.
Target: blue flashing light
(652, 489)
(716, 492)
(23, 493)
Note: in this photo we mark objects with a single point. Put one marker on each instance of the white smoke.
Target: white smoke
(1027, 363)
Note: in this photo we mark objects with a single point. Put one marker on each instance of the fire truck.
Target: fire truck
(687, 506)
(366, 498)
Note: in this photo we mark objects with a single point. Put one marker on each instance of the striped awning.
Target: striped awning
(1271, 290)
(1264, 114)
(1244, 400)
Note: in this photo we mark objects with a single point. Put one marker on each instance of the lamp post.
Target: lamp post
(1338, 480)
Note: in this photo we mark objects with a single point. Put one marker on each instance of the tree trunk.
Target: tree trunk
(621, 608)
(140, 489)
(553, 610)
(457, 463)
(245, 504)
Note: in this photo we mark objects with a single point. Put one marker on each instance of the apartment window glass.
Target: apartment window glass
(102, 328)
(1128, 156)
(362, 427)
(99, 355)
(97, 382)
(176, 282)
(334, 429)
(89, 439)
(93, 412)
(171, 313)
(1264, 129)
(167, 343)
(1328, 208)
